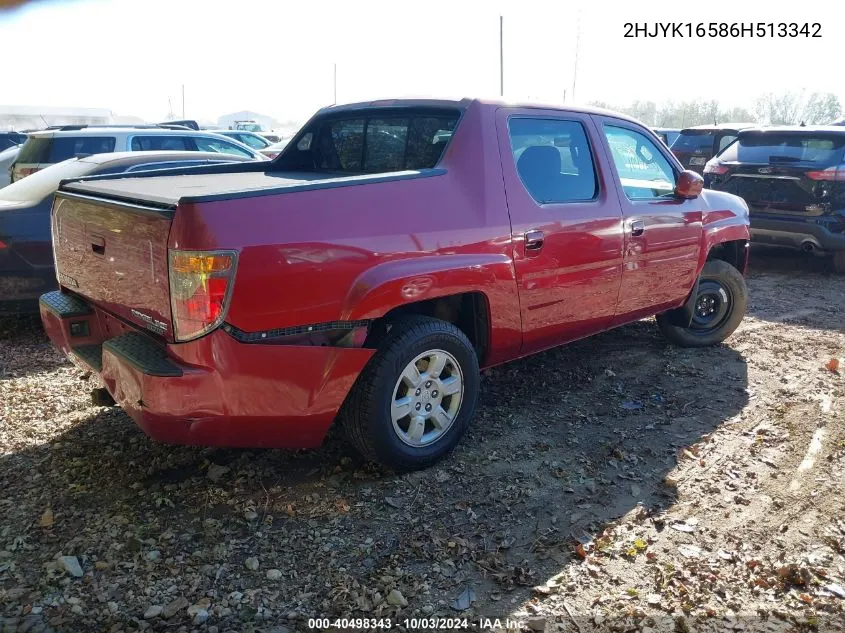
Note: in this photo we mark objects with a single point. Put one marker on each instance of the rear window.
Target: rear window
(373, 143)
(767, 147)
(691, 140)
(147, 143)
(57, 149)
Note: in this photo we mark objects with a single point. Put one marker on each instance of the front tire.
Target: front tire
(719, 307)
(415, 399)
(838, 262)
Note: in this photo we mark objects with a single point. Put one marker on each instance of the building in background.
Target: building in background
(229, 120)
(36, 117)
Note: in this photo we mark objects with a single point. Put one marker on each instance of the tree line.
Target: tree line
(787, 108)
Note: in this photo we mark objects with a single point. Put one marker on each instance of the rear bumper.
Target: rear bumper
(796, 233)
(214, 391)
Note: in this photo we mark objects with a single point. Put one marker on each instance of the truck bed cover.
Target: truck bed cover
(169, 191)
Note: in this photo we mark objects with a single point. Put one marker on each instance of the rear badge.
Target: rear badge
(151, 323)
(765, 170)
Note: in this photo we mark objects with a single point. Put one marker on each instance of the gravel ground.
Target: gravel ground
(617, 484)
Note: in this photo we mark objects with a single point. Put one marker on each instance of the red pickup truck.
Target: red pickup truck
(368, 272)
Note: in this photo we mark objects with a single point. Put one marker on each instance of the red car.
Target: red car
(367, 273)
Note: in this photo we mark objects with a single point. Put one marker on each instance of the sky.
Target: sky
(277, 57)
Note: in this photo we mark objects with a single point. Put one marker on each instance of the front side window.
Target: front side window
(253, 141)
(553, 159)
(207, 144)
(643, 171)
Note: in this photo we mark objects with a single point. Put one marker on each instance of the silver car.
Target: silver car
(54, 145)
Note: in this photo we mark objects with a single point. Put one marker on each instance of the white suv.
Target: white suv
(54, 145)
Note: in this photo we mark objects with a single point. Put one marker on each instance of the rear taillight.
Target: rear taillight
(715, 168)
(200, 287)
(23, 172)
(829, 174)
(2, 244)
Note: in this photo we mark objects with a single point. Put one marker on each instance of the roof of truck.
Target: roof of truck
(463, 104)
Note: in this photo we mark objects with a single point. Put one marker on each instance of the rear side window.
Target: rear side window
(553, 159)
(377, 143)
(691, 140)
(148, 143)
(57, 149)
(769, 147)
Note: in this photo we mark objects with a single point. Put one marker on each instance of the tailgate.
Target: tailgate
(114, 253)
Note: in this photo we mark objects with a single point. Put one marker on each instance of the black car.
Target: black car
(696, 145)
(10, 139)
(793, 179)
(26, 251)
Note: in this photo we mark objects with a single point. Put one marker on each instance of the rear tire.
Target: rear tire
(838, 262)
(720, 305)
(415, 399)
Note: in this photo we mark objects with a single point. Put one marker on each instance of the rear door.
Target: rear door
(566, 224)
(662, 231)
(784, 172)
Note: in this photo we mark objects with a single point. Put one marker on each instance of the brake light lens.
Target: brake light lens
(23, 172)
(200, 288)
(716, 168)
(829, 174)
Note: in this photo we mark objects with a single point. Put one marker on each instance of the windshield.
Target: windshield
(39, 185)
(772, 147)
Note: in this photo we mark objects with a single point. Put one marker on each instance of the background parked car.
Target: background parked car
(251, 139)
(793, 179)
(696, 145)
(271, 151)
(7, 157)
(11, 139)
(26, 253)
(667, 134)
(55, 145)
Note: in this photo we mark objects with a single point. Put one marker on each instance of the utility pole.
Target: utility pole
(183, 101)
(501, 56)
(577, 46)
(335, 83)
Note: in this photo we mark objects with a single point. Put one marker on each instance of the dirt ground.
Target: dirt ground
(618, 484)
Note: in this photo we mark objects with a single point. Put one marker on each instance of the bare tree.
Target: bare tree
(822, 108)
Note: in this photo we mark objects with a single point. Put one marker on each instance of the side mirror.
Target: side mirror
(689, 185)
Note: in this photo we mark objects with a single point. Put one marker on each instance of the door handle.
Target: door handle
(98, 244)
(637, 227)
(534, 240)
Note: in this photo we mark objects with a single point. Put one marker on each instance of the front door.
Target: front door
(566, 223)
(662, 231)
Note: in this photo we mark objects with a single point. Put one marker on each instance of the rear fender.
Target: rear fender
(399, 282)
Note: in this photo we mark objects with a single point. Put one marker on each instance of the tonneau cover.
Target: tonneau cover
(168, 191)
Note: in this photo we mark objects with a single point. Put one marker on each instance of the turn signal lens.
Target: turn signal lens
(200, 288)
